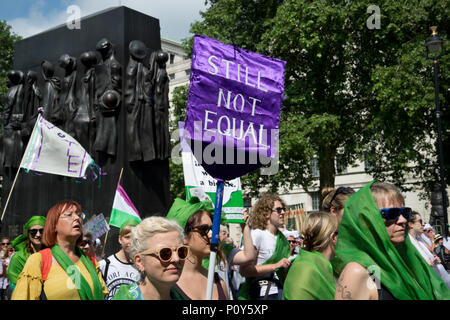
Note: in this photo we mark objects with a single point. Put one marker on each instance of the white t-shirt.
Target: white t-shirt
(119, 274)
(264, 242)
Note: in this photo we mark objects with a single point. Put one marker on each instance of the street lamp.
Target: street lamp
(435, 49)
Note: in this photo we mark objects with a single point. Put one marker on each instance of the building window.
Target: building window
(172, 76)
(188, 72)
(315, 168)
(172, 58)
(315, 197)
(340, 166)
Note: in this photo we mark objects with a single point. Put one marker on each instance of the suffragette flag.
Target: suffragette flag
(51, 150)
(232, 116)
(123, 209)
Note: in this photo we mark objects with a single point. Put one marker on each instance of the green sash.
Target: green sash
(84, 290)
(282, 250)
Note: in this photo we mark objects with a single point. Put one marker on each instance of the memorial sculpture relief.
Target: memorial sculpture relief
(68, 101)
(84, 117)
(32, 101)
(12, 120)
(51, 92)
(139, 104)
(161, 106)
(108, 93)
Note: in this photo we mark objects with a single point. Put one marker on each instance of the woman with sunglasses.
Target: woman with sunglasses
(334, 200)
(415, 226)
(374, 257)
(62, 271)
(159, 253)
(25, 245)
(196, 219)
(310, 276)
(5, 258)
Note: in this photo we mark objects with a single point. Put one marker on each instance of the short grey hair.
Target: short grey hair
(148, 228)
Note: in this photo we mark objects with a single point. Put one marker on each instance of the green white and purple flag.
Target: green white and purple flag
(123, 209)
(51, 150)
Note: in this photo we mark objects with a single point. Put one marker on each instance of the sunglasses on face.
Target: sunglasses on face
(34, 232)
(203, 229)
(5, 243)
(85, 242)
(341, 190)
(393, 214)
(279, 210)
(166, 254)
(293, 241)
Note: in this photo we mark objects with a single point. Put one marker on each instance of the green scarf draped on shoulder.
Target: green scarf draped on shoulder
(83, 287)
(282, 250)
(21, 255)
(310, 277)
(363, 239)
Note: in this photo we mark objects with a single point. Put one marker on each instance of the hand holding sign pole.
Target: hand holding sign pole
(232, 116)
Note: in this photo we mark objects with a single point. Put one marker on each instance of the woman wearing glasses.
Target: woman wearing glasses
(266, 273)
(415, 226)
(334, 200)
(159, 253)
(310, 276)
(25, 245)
(374, 257)
(62, 271)
(196, 219)
(5, 258)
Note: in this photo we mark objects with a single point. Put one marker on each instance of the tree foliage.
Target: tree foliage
(179, 102)
(353, 91)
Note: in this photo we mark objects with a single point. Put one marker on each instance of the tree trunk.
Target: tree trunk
(327, 168)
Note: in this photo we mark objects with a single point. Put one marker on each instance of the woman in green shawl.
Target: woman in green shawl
(374, 257)
(310, 276)
(62, 271)
(25, 245)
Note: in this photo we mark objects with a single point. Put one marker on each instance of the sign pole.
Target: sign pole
(215, 238)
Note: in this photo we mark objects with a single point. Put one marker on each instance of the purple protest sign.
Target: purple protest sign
(233, 106)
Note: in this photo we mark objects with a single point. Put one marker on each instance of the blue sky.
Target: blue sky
(29, 17)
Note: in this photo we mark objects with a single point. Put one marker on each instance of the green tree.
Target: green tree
(7, 41)
(353, 90)
(179, 102)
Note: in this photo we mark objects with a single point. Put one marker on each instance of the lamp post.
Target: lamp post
(435, 48)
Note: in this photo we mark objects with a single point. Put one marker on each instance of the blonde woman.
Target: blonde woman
(334, 200)
(158, 250)
(310, 276)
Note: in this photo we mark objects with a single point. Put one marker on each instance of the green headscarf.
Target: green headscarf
(19, 242)
(182, 210)
(363, 239)
(21, 255)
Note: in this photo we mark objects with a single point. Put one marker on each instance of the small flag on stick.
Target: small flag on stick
(123, 209)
